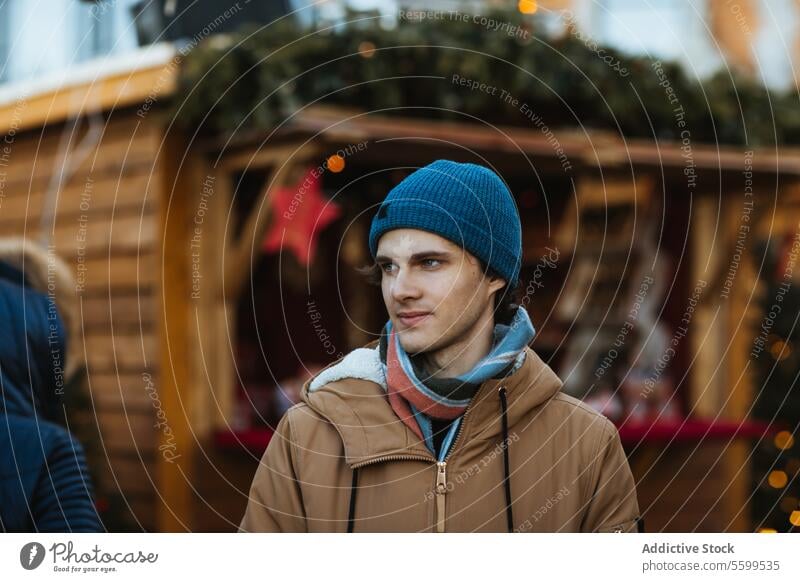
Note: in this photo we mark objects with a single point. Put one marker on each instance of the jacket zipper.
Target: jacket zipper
(441, 490)
(441, 476)
(441, 471)
(441, 480)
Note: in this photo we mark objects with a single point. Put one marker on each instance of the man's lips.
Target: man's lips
(410, 318)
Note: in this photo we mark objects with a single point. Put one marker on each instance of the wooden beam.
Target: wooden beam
(177, 444)
(595, 148)
(214, 318)
(740, 312)
(265, 156)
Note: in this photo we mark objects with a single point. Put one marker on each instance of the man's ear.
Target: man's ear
(496, 283)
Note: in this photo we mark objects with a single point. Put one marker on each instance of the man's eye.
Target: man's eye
(431, 262)
(386, 267)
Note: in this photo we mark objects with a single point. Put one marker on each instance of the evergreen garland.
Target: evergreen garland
(257, 77)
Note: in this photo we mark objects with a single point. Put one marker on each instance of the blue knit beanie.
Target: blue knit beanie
(465, 203)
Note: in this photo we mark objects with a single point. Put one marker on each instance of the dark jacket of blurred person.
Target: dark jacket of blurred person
(44, 483)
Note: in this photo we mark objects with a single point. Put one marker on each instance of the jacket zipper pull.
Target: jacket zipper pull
(441, 489)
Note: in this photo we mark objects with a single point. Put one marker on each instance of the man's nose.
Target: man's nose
(404, 286)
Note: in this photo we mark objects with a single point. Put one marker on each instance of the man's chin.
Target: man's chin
(414, 342)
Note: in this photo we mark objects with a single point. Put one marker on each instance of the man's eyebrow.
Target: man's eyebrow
(417, 256)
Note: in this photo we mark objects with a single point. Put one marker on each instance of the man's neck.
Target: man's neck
(460, 357)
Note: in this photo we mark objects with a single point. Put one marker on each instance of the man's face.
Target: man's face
(435, 291)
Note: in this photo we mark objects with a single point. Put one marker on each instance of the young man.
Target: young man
(449, 422)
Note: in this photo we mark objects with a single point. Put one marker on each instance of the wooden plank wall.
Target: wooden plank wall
(104, 196)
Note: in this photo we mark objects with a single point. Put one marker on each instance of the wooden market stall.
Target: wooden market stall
(568, 212)
(196, 328)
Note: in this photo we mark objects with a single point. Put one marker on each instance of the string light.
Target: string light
(780, 350)
(528, 6)
(784, 440)
(336, 163)
(366, 49)
(794, 518)
(778, 479)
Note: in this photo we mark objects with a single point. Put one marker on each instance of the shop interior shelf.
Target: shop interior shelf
(691, 430)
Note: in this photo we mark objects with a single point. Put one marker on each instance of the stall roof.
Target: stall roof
(103, 84)
(590, 148)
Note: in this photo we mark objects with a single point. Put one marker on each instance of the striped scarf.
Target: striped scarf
(410, 389)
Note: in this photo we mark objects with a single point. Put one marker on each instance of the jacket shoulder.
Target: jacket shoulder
(578, 412)
(308, 430)
(300, 411)
(37, 434)
(301, 416)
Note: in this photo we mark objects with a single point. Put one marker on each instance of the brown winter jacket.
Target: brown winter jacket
(343, 460)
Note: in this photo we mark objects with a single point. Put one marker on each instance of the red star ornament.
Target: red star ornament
(299, 213)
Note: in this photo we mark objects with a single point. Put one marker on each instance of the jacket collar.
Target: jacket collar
(356, 404)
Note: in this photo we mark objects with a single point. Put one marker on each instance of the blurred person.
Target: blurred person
(449, 422)
(44, 483)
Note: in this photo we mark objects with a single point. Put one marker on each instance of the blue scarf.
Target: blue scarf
(416, 397)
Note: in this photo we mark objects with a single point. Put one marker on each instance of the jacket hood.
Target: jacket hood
(32, 348)
(351, 394)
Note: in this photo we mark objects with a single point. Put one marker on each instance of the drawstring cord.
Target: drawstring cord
(506, 471)
(352, 511)
(506, 463)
